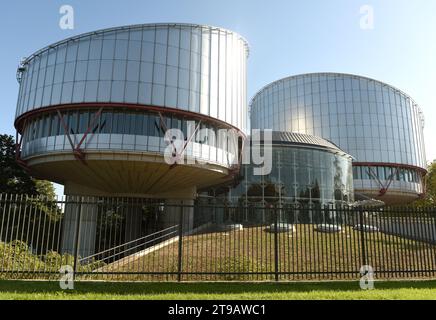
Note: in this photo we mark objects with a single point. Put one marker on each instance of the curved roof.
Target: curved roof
(337, 74)
(294, 138)
(135, 26)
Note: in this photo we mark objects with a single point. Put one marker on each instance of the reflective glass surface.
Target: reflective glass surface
(299, 175)
(196, 68)
(368, 119)
(119, 129)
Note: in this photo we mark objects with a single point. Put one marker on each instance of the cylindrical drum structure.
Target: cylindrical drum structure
(93, 109)
(305, 170)
(377, 124)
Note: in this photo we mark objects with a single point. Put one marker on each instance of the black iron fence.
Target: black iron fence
(151, 240)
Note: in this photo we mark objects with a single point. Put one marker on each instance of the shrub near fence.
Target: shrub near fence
(144, 240)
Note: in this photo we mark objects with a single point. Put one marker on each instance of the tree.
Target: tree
(430, 196)
(13, 178)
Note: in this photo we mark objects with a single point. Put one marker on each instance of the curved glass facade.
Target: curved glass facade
(190, 67)
(300, 174)
(368, 119)
(120, 129)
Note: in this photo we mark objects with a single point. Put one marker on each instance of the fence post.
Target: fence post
(362, 236)
(276, 245)
(179, 263)
(77, 236)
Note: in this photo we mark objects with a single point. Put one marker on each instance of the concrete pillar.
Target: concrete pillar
(133, 230)
(87, 207)
(172, 211)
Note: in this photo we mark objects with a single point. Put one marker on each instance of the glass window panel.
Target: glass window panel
(106, 122)
(159, 74)
(184, 78)
(173, 56)
(56, 94)
(46, 96)
(59, 73)
(123, 34)
(121, 49)
(49, 75)
(158, 95)
(104, 90)
(61, 52)
(183, 98)
(54, 130)
(108, 49)
(84, 121)
(51, 60)
(95, 49)
(134, 50)
(119, 119)
(81, 68)
(146, 72)
(172, 75)
(91, 91)
(93, 70)
(117, 91)
(147, 53)
(184, 59)
(171, 97)
(106, 70)
(136, 34)
(83, 51)
(144, 95)
(69, 71)
(174, 36)
(160, 54)
(131, 92)
(161, 35)
(130, 123)
(79, 91)
(148, 35)
(132, 70)
(119, 70)
(72, 51)
(139, 124)
(196, 40)
(185, 38)
(67, 91)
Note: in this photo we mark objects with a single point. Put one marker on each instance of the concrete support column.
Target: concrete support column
(173, 209)
(87, 208)
(133, 229)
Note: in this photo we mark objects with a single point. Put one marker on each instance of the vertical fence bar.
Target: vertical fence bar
(77, 236)
(180, 249)
(362, 237)
(276, 245)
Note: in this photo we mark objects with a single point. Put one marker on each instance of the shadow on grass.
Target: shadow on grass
(122, 288)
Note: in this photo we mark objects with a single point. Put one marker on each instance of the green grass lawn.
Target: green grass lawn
(15, 289)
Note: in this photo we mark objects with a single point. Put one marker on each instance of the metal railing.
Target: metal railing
(145, 240)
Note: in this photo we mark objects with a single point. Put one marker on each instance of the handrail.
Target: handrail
(130, 242)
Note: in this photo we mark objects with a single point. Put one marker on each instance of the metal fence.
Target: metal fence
(151, 240)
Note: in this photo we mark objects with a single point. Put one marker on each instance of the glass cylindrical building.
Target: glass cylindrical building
(305, 170)
(377, 124)
(93, 109)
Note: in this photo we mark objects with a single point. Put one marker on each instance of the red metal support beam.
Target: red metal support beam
(91, 125)
(180, 155)
(77, 151)
(90, 105)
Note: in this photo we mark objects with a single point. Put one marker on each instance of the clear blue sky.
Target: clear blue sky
(286, 37)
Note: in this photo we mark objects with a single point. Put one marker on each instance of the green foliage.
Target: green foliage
(13, 178)
(239, 264)
(430, 197)
(16, 256)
